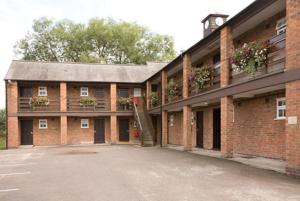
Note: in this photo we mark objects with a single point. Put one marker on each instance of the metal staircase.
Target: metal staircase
(144, 124)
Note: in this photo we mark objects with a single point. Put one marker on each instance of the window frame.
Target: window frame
(84, 90)
(82, 123)
(279, 108)
(40, 90)
(43, 121)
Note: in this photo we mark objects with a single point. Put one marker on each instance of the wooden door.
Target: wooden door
(217, 129)
(199, 127)
(26, 132)
(99, 131)
(124, 130)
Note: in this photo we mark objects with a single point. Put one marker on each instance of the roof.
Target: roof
(81, 72)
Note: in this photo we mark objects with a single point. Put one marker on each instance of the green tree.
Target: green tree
(2, 121)
(101, 41)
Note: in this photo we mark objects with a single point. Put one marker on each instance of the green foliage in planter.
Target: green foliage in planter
(172, 89)
(154, 99)
(88, 101)
(201, 76)
(250, 57)
(125, 100)
(39, 101)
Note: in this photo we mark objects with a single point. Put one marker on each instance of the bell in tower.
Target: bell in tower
(212, 22)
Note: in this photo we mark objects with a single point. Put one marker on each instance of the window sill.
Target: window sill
(280, 119)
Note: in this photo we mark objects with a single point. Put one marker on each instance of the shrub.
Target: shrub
(39, 101)
(88, 101)
(201, 76)
(154, 99)
(172, 89)
(250, 57)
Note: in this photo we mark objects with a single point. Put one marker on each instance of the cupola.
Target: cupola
(212, 22)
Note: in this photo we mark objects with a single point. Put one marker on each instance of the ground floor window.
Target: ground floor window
(280, 114)
(84, 123)
(43, 124)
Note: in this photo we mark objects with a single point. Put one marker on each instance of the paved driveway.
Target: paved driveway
(135, 174)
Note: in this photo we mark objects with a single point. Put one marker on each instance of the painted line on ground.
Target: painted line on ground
(8, 190)
(15, 173)
(16, 164)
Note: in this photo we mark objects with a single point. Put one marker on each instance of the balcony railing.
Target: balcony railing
(31, 104)
(75, 105)
(276, 61)
(213, 84)
(122, 107)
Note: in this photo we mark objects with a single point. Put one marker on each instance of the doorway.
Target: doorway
(26, 132)
(99, 131)
(124, 130)
(199, 129)
(217, 129)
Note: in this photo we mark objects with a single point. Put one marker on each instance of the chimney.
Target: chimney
(212, 22)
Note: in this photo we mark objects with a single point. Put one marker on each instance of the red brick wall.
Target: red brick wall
(52, 89)
(78, 135)
(256, 132)
(175, 131)
(49, 136)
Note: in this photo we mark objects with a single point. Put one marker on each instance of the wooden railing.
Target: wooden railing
(127, 107)
(27, 105)
(213, 84)
(276, 61)
(74, 105)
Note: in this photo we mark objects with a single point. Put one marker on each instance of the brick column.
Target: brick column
(164, 86)
(186, 74)
(13, 137)
(293, 88)
(227, 138)
(63, 118)
(148, 92)
(187, 128)
(113, 108)
(113, 129)
(164, 124)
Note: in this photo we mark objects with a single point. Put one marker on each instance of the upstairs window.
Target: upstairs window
(84, 123)
(99, 92)
(43, 124)
(42, 91)
(217, 60)
(123, 93)
(84, 91)
(281, 26)
(280, 108)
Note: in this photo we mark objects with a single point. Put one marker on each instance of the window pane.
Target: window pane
(123, 93)
(99, 92)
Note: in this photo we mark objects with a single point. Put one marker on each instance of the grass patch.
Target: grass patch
(2, 142)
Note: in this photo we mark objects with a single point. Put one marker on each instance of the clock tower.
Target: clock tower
(212, 22)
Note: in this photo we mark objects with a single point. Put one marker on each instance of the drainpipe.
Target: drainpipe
(161, 111)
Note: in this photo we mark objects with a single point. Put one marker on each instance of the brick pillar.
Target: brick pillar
(164, 124)
(63, 130)
(164, 86)
(293, 88)
(227, 138)
(187, 128)
(63, 119)
(13, 137)
(63, 97)
(113, 129)
(148, 92)
(113, 97)
(113, 108)
(186, 74)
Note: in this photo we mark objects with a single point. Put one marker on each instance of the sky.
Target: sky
(177, 18)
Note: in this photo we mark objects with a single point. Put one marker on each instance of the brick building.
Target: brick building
(233, 111)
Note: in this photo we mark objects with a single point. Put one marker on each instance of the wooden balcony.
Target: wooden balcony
(213, 84)
(74, 104)
(179, 94)
(276, 61)
(47, 104)
(122, 107)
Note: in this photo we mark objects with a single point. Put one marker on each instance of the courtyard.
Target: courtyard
(121, 172)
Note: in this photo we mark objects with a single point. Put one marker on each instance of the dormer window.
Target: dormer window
(84, 91)
(42, 91)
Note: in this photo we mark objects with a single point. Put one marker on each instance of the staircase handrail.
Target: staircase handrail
(139, 121)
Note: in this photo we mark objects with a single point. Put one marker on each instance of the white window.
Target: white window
(281, 26)
(137, 92)
(84, 123)
(42, 91)
(280, 108)
(84, 91)
(43, 124)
